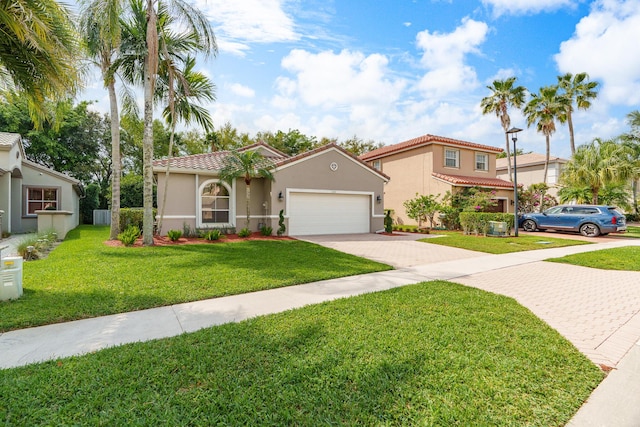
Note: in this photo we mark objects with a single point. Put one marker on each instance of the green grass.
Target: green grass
(632, 231)
(499, 245)
(435, 353)
(84, 278)
(627, 259)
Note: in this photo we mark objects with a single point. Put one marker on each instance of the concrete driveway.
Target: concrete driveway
(400, 250)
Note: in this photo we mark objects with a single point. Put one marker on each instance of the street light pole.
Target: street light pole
(514, 137)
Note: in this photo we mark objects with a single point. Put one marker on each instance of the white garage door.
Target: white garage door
(321, 213)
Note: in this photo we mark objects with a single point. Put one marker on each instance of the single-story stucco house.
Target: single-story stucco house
(432, 165)
(323, 191)
(29, 190)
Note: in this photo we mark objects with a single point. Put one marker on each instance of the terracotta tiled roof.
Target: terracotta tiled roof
(215, 161)
(528, 159)
(208, 161)
(473, 181)
(277, 153)
(424, 140)
(8, 139)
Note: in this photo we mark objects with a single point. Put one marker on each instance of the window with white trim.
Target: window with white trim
(451, 158)
(377, 165)
(215, 204)
(482, 162)
(41, 198)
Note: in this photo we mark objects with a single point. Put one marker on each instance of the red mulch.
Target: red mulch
(165, 241)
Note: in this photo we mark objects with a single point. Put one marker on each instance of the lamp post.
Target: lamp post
(514, 137)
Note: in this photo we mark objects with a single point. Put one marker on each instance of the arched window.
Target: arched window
(215, 203)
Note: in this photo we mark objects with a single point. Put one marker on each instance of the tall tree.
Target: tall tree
(632, 141)
(100, 29)
(504, 95)
(38, 53)
(183, 88)
(543, 110)
(160, 45)
(599, 164)
(580, 92)
(75, 144)
(247, 165)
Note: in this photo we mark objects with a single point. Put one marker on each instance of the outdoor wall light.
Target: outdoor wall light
(280, 196)
(379, 199)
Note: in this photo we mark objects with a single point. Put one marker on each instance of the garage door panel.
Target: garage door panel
(323, 213)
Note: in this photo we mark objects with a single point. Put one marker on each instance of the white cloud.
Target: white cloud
(444, 58)
(605, 45)
(524, 7)
(239, 23)
(242, 90)
(330, 80)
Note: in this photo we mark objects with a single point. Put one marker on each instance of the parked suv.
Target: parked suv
(589, 220)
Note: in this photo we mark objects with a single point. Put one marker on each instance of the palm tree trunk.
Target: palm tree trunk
(166, 178)
(571, 136)
(506, 137)
(116, 163)
(248, 193)
(546, 159)
(150, 69)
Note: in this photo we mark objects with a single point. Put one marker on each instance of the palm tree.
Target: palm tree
(599, 164)
(148, 45)
(580, 91)
(504, 95)
(247, 165)
(632, 141)
(544, 109)
(182, 87)
(100, 28)
(38, 53)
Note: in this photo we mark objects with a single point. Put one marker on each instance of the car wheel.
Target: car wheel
(589, 230)
(529, 225)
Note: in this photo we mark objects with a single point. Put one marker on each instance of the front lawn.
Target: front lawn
(84, 278)
(435, 353)
(498, 245)
(632, 231)
(627, 258)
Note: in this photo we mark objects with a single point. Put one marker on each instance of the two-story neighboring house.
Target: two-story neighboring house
(531, 170)
(433, 164)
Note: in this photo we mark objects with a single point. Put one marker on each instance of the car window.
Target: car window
(554, 210)
(615, 211)
(590, 211)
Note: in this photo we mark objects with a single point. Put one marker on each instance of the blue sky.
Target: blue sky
(392, 70)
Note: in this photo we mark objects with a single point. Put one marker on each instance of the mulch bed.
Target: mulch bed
(226, 238)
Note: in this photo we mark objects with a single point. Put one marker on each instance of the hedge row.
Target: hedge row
(478, 222)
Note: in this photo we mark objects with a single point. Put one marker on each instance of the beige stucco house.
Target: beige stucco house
(323, 191)
(29, 191)
(531, 170)
(433, 164)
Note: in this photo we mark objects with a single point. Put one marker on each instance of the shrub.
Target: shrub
(478, 222)
(388, 222)
(132, 216)
(174, 235)
(266, 231)
(129, 236)
(245, 232)
(212, 234)
(281, 228)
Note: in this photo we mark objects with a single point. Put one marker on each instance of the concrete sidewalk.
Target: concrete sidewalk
(555, 292)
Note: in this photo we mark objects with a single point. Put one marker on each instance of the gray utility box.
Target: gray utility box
(497, 228)
(10, 278)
